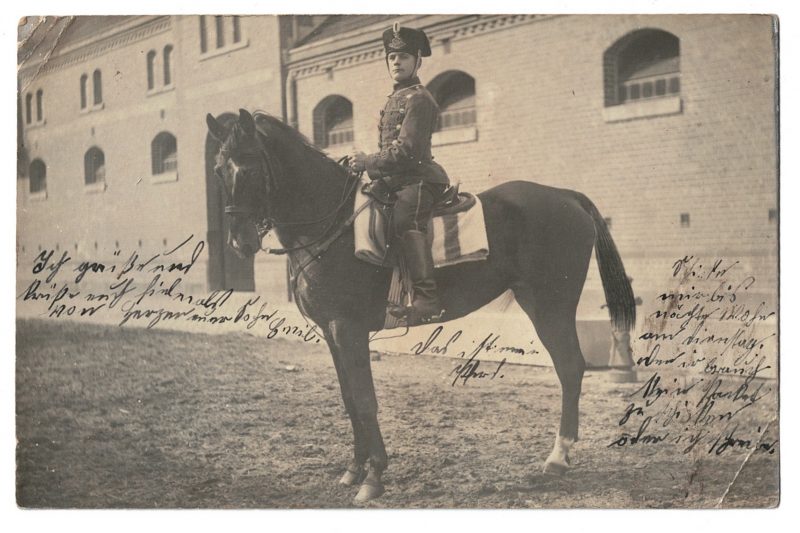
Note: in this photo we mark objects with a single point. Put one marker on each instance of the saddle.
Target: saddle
(457, 231)
(452, 202)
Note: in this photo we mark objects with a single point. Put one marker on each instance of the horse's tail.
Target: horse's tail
(616, 284)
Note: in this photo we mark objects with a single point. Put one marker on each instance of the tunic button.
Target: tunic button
(398, 126)
(402, 111)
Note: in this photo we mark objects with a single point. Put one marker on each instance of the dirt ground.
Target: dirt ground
(111, 417)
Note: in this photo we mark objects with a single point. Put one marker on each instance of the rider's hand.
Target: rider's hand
(358, 162)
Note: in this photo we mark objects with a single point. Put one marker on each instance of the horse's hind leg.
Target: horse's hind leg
(554, 319)
(355, 471)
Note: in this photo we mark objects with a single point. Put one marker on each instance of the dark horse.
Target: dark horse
(540, 241)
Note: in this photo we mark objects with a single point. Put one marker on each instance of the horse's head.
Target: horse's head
(247, 176)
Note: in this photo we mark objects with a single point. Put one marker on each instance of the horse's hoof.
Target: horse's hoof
(369, 491)
(555, 469)
(352, 477)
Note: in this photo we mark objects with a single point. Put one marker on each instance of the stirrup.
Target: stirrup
(408, 313)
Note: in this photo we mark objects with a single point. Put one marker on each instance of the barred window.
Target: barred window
(164, 153)
(94, 164)
(454, 91)
(643, 64)
(333, 122)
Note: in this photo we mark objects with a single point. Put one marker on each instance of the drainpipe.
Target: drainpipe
(291, 99)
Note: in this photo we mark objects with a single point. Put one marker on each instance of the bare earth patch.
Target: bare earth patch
(114, 417)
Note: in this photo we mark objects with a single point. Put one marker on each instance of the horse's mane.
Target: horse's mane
(263, 119)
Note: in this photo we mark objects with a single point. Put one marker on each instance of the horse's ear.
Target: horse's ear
(246, 121)
(215, 128)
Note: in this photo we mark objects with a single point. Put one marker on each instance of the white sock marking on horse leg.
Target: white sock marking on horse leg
(560, 453)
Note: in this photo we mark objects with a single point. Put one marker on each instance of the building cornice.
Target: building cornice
(364, 45)
(95, 46)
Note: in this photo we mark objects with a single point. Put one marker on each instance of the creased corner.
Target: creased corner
(51, 46)
(23, 42)
(744, 462)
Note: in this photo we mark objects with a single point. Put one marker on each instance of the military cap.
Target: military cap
(408, 40)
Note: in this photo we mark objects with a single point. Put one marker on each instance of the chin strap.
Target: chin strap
(416, 67)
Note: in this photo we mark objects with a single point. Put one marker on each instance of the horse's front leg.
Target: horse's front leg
(351, 340)
(356, 469)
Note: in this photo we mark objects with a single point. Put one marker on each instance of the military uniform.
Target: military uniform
(404, 161)
(404, 164)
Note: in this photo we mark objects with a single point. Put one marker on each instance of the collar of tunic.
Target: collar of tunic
(405, 84)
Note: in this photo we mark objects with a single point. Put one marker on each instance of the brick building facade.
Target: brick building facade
(667, 123)
(692, 170)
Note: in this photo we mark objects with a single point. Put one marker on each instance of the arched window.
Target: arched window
(84, 82)
(641, 65)
(39, 106)
(218, 20)
(28, 106)
(333, 121)
(454, 91)
(37, 175)
(168, 64)
(203, 35)
(164, 153)
(151, 67)
(237, 29)
(97, 86)
(94, 165)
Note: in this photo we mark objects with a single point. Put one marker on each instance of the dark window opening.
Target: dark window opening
(97, 85)
(151, 65)
(237, 30)
(333, 122)
(39, 106)
(168, 64)
(220, 31)
(28, 106)
(203, 35)
(454, 91)
(94, 163)
(37, 176)
(643, 64)
(84, 82)
(164, 153)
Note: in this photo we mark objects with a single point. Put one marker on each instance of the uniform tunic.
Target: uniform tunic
(407, 123)
(404, 160)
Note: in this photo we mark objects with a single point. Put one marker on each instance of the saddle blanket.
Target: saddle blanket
(456, 238)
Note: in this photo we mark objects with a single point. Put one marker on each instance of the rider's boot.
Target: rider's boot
(425, 307)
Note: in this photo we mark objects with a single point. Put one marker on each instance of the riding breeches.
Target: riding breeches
(414, 206)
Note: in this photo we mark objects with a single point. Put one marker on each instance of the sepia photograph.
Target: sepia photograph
(397, 261)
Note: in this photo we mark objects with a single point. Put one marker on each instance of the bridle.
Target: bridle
(265, 223)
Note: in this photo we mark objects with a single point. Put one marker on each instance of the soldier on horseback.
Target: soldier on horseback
(404, 169)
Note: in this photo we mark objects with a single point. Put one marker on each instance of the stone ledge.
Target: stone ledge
(643, 109)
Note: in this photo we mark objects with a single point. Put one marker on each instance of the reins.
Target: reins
(348, 191)
(319, 244)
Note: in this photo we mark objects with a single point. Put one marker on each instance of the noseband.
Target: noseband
(266, 169)
(264, 224)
